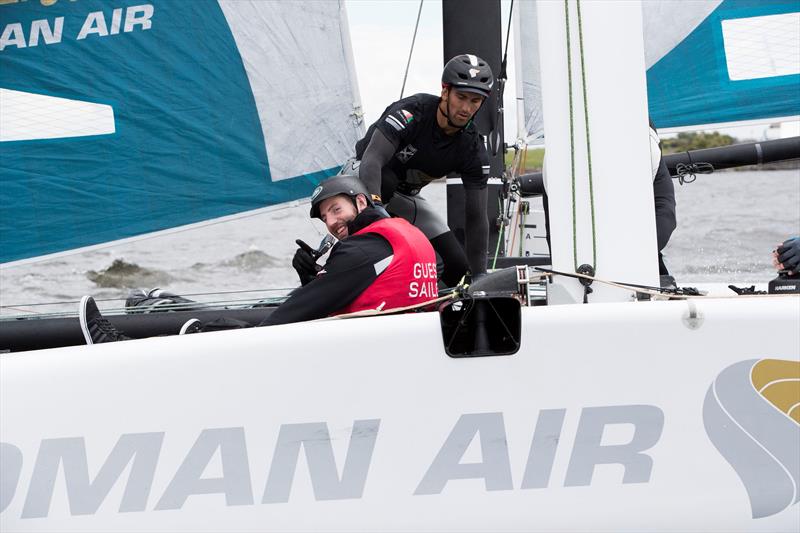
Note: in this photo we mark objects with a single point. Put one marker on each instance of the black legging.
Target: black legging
(453, 257)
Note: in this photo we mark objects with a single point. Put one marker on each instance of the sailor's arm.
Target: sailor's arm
(475, 177)
(377, 155)
(350, 269)
(476, 229)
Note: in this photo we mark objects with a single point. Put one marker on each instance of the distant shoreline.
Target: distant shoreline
(535, 156)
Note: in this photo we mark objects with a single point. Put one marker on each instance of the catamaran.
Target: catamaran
(514, 407)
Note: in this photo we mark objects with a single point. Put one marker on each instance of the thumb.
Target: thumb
(303, 246)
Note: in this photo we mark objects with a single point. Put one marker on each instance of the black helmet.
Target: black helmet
(469, 73)
(348, 184)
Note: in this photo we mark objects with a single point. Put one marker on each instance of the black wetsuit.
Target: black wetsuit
(350, 269)
(664, 195)
(408, 152)
(421, 145)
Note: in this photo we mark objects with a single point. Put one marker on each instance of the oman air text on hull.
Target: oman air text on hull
(139, 454)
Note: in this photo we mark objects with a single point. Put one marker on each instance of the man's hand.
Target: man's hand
(304, 262)
(787, 256)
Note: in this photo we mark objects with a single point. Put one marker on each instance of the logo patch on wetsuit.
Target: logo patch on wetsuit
(316, 192)
(406, 153)
(408, 117)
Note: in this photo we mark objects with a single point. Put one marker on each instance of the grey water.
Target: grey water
(728, 223)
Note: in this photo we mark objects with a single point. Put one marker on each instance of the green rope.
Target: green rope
(572, 137)
(571, 142)
(588, 143)
(499, 236)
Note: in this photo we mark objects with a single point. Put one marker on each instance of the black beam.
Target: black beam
(737, 155)
(475, 27)
(23, 334)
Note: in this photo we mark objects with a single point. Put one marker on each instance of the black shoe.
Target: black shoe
(95, 327)
(191, 326)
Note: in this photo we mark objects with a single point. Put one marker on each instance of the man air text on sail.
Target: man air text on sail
(96, 24)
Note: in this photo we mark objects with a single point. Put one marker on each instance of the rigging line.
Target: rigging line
(680, 293)
(571, 141)
(588, 143)
(64, 302)
(501, 84)
(508, 38)
(411, 51)
(266, 210)
(514, 226)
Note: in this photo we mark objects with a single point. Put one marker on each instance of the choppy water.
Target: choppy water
(728, 223)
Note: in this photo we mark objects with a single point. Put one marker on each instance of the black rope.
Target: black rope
(508, 38)
(688, 173)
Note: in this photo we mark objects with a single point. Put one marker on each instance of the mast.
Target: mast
(599, 179)
(462, 35)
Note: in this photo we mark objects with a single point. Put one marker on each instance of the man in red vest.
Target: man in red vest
(379, 263)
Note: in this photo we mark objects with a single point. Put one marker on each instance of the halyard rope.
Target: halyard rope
(572, 137)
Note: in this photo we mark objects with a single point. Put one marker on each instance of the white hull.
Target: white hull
(249, 392)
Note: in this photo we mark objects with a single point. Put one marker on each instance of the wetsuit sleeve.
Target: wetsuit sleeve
(664, 196)
(475, 173)
(378, 153)
(476, 228)
(350, 269)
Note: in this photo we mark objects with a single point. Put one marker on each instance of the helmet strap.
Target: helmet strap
(446, 113)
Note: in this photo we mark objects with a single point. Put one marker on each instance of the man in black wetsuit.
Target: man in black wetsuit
(664, 199)
(378, 263)
(424, 137)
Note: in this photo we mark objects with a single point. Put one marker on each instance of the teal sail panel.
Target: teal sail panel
(708, 62)
(741, 63)
(124, 117)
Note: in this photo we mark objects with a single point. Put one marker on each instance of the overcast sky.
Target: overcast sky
(381, 33)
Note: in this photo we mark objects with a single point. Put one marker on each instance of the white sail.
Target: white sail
(709, 62)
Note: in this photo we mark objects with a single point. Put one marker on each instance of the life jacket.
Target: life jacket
(410, 277)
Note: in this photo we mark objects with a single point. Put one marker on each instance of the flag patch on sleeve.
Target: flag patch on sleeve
(395, 123)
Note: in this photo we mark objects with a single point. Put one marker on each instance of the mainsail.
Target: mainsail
(126, 117)
(708, 62)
